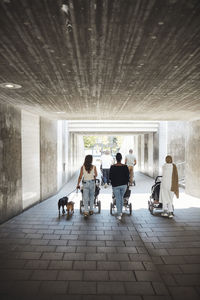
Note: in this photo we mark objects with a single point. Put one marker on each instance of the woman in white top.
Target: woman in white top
(169, 187)
(88, 173)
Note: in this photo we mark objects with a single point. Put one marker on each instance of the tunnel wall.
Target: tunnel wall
(10, 162)
(30, 127)
(176, 137)
(48, 157)
(193, 158)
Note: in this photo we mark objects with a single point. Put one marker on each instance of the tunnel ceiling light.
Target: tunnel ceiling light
(9, 85)
(160, 23)
(60, 112)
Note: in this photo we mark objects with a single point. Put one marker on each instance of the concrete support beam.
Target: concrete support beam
(193, 158)
(10, 162)
(48, 157)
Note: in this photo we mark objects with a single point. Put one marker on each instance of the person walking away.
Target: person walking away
(169, 187)
(119, 176)
(130, 161)
(106, 162)
(88, 173)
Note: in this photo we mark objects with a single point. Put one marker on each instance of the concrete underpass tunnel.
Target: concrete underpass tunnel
(40, 155)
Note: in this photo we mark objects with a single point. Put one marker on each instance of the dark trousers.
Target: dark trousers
(106, 173)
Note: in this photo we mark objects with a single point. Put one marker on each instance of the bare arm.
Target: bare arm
(95, 171)
(135, 162)
(79, 179)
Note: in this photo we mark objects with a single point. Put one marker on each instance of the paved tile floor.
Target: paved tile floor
(144, 257)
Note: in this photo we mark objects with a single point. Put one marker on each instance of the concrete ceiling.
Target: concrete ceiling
(102, 59)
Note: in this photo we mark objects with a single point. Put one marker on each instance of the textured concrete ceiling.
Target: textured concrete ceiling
(102, 59)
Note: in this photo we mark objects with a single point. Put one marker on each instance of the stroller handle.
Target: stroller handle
(157, 178)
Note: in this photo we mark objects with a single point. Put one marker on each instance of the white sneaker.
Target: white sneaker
(119, 218)
(164, 214)
(105, 185)
(170, 216)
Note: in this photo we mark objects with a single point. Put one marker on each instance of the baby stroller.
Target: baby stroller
(127, 205)
(153, 203)
(97, 203)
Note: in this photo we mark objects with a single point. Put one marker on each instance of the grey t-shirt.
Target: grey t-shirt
(130, 158)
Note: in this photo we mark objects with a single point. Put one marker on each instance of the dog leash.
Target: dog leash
(71, 192)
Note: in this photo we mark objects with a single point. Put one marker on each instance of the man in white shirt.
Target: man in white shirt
(106, 162)
(130, 161)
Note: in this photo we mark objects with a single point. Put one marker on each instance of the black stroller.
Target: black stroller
(97, 203)
(153, 203)
(126, 202)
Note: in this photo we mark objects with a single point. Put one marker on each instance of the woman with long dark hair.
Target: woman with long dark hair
(88, 173)
(119, 176)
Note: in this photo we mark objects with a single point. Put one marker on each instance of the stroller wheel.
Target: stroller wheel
(99, 206)
(130, 209)
(111, 208)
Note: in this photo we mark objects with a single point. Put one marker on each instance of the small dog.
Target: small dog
(70, 208)
(62, 202)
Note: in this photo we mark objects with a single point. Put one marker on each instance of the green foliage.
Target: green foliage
(102, 143)
(89, 141)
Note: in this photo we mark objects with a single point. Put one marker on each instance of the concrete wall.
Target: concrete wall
(155, 154)
(30, 127)
(48, 158)
(176, 134)
(10, 162)
(192, 179)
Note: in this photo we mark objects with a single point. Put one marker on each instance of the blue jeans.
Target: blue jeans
(88, 194)
(119, 192)
(106, 173)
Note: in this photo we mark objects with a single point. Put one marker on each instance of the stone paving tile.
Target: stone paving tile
(117, 257)
(190, 268)
(106, 249)
(60, 264)
(96, 297)
(187, 279)
(84, 265)
(184, 293)
(95, 256)
(36, 264)
(12, 264)
(25, 288)
(52, 256)
(82, 288)
(110, 288)
(131, 265)
(15, 274)
(44, 275)
(96, 243)
(173, 260)
(74, 256)
(121, 276)
(70, 275)
(66, 249)
(108, 265)
(96, 276)
(140, 257)
(53, 287)
(160, 288)
(139, 288)
(86, 249)
(126, 297)
(148, 276)
(76, 243)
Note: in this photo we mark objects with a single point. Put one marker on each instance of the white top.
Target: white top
(166, 181)
(88, 176)
(106, 161)
(130, 158)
